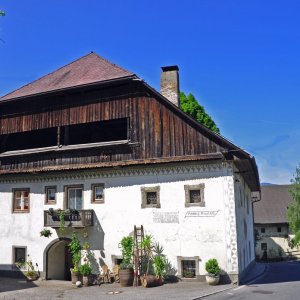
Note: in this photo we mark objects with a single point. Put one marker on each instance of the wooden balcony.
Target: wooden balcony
(84, 218)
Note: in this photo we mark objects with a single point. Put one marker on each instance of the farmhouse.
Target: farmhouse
(97, 139)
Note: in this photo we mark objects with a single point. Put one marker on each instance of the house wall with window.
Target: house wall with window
(193, 231)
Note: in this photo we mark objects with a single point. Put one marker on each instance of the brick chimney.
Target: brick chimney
(169, 84)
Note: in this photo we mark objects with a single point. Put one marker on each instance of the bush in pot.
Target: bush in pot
(126, 269)
(86, 272)
(159, 265)
(213, 271)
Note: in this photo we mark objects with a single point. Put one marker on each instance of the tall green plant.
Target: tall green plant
(293, 212)
(126, 246)
(75, 249)
(147, 245)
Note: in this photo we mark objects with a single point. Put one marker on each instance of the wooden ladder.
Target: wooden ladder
(138, 253)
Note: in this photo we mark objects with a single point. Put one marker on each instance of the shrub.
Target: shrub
(212, 267)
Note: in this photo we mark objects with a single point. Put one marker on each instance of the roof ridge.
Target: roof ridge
(36, 80)
(66, 66)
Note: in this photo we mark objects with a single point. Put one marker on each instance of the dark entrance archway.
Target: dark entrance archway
(58, 260)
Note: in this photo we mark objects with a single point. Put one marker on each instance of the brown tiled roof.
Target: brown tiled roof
(86, 70)
(273, 205)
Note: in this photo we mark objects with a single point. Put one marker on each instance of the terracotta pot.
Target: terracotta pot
(75, 276)
(87, 280)
(149, 281)
(212, 279)
(126, 277)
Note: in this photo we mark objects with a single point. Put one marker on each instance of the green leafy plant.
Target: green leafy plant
(62, 215)
(212, 267)
(85, 269)
(30, 272)
(126, 246)
(46, 232)
(189, 274)
(159, 264)
(75, 249)
(147, 245)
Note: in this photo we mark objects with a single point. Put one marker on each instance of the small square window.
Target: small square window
(21, 200)
(263, 230)
(50, 192)
(98, 193)
(264, 246)
(19, 255)
(278, 229)
(150, 197)
(194, 195)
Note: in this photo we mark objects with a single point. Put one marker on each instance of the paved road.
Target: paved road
(281, 281)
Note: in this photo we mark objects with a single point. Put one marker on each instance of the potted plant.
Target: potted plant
(86, 272)
(189, 274)
(159, 265)
(75, 249)
(213, 271)
(30, 273)
(126, 269)
(46, 232)
(147, 280)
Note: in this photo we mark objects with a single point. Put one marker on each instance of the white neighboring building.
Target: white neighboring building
(93, 137)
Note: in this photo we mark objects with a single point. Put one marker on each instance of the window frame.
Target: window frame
(14, 210)
(66, 193)
(192, 187)
(47, 201)
(264, 245)
(14, 249)
(150, 189)
(180, 260)
(93, 190)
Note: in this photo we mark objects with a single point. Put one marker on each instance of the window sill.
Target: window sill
(63, 148)
(20, 211)
(200, 204)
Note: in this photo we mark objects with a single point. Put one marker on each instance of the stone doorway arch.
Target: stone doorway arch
(58, 260)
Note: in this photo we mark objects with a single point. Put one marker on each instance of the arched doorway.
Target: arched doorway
(58, 260)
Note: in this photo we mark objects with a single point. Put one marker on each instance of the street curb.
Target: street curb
(257, 276)
(216, 292)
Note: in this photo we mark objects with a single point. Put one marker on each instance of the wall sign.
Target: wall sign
(166, 217)
(202, 213)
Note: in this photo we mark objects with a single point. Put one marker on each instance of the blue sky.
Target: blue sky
(239, 58)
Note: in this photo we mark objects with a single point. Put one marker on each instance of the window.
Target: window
(278, 229)
(19, 254)
(264, 246)
(194, 195)
(263, 230)
(95, 132)
(98, 193)
(188, 268)
(21, 200)
(247, 204)
(50, 193)
(74, 196)
(150, 197)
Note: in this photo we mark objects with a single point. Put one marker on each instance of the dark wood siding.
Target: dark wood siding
(155, 131)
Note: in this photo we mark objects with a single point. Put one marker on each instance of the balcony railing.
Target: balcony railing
(81, 219)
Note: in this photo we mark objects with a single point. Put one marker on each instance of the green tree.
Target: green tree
(190, 105)
(294, 208)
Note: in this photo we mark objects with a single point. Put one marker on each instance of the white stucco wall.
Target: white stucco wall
(244, 223)
(188, 236)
